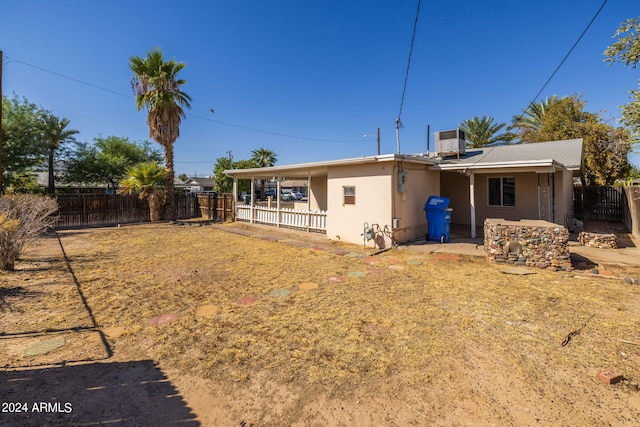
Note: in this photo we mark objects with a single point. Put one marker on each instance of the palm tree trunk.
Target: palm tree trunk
(169, 204)
(51, 189)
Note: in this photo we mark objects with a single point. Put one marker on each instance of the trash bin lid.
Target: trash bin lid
(436, 203)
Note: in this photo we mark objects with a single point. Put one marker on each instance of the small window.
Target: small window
(502, 191)
(349, 195)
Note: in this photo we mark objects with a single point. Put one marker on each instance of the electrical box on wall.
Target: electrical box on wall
(402, 181)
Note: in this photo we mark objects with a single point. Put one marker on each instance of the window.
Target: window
(349, 195)
(502, 191)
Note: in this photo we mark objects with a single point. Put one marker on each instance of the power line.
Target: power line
(188, 115)
(567, 55)
(406, 75)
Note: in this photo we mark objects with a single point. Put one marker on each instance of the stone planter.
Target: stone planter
(530, 243)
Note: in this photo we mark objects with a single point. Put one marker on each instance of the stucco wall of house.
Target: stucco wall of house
(564, 197)
(408, 206)
(455, 187)
(318, 193)
(373, 185)
(526, 198)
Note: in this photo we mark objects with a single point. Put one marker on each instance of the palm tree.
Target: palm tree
(55, 132)
(157, 87)
(481, 132)
(528, 124)
(148, 181)
(263, 158)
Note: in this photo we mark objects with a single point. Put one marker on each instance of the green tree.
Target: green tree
(526, 126)
(183, 177)
(605, 147)
(482, 132)
(148, 181)
(106, 160)
(224, 183)
(626, 50)
(55, 133)
(22, 143)
(157, 87)
(263, 157)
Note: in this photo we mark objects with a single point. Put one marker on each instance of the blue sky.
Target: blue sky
(309, 79)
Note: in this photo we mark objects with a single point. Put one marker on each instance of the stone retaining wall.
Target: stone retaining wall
(598, 240)
(528, 243)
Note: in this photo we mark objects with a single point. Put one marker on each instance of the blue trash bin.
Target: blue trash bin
(439, 218)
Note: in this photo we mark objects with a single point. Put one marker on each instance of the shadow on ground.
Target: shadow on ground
(126, 393)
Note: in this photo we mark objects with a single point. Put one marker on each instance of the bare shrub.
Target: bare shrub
(23, 218)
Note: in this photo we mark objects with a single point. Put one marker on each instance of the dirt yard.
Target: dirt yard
(191, 325)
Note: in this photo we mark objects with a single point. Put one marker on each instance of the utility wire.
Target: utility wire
(406, 75)
(567, 55)
(188, 115)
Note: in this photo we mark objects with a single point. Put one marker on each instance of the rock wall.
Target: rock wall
(528, 243)
(598, 240)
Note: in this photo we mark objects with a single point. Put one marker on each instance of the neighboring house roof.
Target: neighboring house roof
(201, 181)
(567, 153)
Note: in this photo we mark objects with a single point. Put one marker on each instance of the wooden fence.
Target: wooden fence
(598, 203)
(81, 210)
(218, 207)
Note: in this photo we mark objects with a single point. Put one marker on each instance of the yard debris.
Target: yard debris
(627, 342)
(520, 271)
(609, 376)
(575, 332)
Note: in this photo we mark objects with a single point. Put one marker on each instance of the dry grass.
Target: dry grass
(415, 320)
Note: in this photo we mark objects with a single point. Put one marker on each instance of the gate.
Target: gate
(600, 203)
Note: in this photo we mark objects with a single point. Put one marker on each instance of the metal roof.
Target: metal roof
(567, 153)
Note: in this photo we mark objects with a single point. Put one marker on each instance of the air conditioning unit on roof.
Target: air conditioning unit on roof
(450, 142)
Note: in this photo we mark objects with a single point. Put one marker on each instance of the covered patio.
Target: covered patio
(309, 215)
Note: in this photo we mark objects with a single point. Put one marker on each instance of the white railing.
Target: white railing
(285, 217)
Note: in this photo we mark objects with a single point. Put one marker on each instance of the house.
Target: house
(388, 192)
(200, 183)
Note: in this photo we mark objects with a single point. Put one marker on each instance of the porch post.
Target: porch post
(253, 184)
(472, 203)
(235, 197)
(278, 202)
(308, 201)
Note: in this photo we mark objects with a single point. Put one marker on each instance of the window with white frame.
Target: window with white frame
(349, 193)
(502, 191)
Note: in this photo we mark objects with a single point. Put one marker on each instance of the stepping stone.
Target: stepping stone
(396, 267)
(391, 260)
(341, 252)
(336, 279)
(372, 260)
(43, 347)
(164, 319)
(207, 311)
(354, 255)
(521, 271)
(247, 300)
(280, 293)
(307, 286)
(357, 274)
(374, 270)
(414, 262)
(319, 248)
(447, 257)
